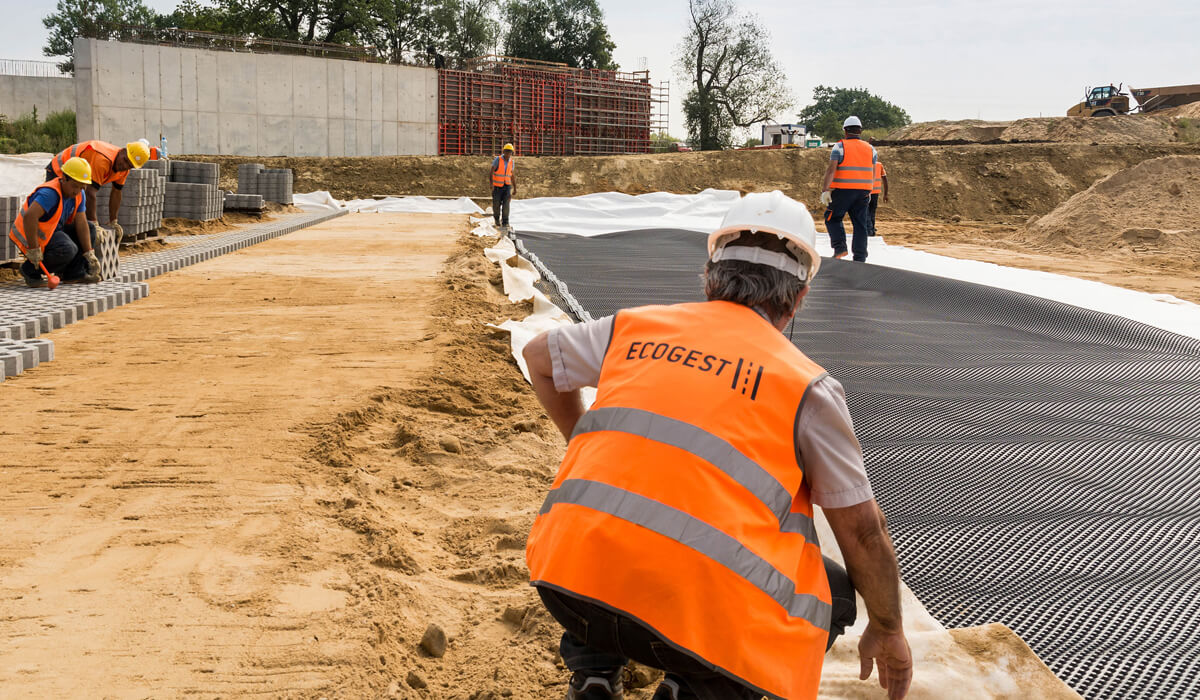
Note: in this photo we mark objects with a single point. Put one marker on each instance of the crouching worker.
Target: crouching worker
(679, 531)
(52, 229)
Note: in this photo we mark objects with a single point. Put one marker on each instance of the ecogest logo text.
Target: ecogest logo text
(742, 371)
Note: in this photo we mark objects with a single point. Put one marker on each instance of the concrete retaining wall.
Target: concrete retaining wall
(221, 102)
(19, 94)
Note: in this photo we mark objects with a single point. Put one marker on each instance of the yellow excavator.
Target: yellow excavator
(1109, 101)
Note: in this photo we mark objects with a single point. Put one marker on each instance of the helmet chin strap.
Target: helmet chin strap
(762, 256)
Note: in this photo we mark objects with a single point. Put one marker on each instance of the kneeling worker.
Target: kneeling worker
(52, 229)
(679, 531)
(110, 165)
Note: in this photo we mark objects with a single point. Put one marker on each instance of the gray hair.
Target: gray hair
(758, 286)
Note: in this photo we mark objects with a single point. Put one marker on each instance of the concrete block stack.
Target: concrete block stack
(274, 184)
(192, 191)
(243, 202)
(9, 208)
(141, 203)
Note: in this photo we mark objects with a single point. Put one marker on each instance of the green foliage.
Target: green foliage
(751, 143)
(28, 135)
(662, 143)
(734, 80)
(561, 31)
(878, 134)
(97, 19)
(832, 105)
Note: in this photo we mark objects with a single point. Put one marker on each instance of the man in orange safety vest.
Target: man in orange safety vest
(680, 530)
(504, 184)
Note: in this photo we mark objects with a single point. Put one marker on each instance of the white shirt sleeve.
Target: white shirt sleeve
(577, 353)
(829, 449)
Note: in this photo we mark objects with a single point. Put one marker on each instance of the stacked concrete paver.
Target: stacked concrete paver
(274, 184)
(243, 202)
(9, 208)
(192, 191)
(26, 313)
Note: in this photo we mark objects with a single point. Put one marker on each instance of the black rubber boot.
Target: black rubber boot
(593, 686)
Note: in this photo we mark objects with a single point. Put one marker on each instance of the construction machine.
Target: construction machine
(1109, 100)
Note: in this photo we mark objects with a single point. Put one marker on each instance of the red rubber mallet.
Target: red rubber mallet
(51, 280)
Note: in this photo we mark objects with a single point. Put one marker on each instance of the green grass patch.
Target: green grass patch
(28, 134)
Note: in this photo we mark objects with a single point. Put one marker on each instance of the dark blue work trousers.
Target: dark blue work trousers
(599, 640)
(856, 203)
(61, 257)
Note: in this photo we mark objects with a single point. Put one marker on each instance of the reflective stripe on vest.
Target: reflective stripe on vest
(877, 186)
(67, 154)
(698, 535)
(503, 173)
(712, 449)
(682, 502)
(856, 171)
(45, 228)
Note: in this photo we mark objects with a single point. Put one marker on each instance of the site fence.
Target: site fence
(31, 69)
(542, 109)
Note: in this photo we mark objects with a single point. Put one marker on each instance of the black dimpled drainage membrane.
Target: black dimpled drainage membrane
(1039, 463)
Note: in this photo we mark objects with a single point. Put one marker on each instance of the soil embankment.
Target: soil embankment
(1007, 182)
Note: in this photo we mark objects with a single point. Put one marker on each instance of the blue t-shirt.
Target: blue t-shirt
(48, 198)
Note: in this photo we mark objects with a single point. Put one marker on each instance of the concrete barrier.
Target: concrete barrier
(233, 103)
(20, 94)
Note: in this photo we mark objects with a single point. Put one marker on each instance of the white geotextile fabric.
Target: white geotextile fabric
(20, 174)
(612, 212)
(944, 668)
(323, 201)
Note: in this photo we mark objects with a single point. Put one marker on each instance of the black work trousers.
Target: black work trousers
(600, 640)
(501, 200)
(856, 203)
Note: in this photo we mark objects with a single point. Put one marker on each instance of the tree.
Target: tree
(402, 29)
(735, 81)
(561, 31)
(832, 105)
(95, 19)
(464, 28)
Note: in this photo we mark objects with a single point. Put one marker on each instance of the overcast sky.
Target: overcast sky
(938, 59)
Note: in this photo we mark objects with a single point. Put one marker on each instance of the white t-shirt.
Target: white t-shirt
(829, 449)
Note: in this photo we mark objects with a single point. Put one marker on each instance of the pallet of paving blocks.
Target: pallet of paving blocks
(142, 199)
(274, 184)
(192, 191)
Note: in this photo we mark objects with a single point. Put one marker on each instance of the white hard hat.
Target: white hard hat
(852, 121)
(769, 212)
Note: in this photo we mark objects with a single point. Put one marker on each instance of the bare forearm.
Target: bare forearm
(828, 182)
(114, 204)
(871, 561)
(564, 409)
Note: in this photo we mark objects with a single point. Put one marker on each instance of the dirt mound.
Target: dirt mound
(1151, 208)
(1132, 128)
(1188, 111)
(965, 130)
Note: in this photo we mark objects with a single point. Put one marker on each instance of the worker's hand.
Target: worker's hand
(93, 266)
(34, 255)
(885, 198)
(116, 227)
(890, 652)
(826, 198)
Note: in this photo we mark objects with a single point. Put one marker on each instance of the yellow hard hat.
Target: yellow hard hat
(509, 147)
(138, 153)
(78, 170)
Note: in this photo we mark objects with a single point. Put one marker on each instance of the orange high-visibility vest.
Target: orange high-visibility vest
(856, 171)
(503, 173)
(45, 228)
(101, 155)
(877, 187)
(682, 503)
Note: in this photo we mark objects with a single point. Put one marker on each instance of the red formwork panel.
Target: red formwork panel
(542, 109)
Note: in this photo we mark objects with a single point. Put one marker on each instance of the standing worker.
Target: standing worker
(109, 165)
(880, 186)
(849, 180)
(504, 186)
(679, 530)
(52, 230)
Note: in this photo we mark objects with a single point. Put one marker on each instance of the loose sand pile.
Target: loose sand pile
(942, 130)
(1131, 128)
(1151, 208)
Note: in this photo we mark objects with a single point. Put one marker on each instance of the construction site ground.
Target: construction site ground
(273, 474)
